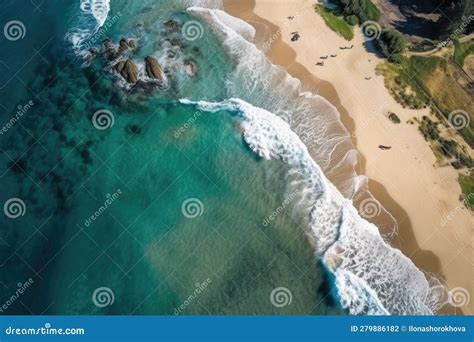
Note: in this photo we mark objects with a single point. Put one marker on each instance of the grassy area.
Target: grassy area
(421, 81)
(372, 11)
(335, 23)
(444, 148)
(467, 188)
(461, 51)
(363, 9)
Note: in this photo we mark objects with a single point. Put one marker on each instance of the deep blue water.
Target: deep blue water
(150, 255)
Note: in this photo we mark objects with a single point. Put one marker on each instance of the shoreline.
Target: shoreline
(281, 53)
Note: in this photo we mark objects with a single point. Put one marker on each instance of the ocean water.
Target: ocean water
(219, 193)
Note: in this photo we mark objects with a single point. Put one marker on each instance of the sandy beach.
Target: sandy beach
(435, 230)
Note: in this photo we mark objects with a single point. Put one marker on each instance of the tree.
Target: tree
(363, 9)
(392, 44)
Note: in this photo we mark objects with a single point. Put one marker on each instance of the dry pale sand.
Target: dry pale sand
(435, 230)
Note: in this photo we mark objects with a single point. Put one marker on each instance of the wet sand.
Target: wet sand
(406, 192)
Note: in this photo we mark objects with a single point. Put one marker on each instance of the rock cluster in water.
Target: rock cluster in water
(128, 70)
(147, 72)
(153, 68)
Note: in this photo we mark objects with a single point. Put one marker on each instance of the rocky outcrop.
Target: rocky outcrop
(190, 68)
(153, 68)
(172, 25)
(110, 50)
(125, 44)
(113, 51)
(128, 70)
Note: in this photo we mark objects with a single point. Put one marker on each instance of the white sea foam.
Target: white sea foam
(93, 14)
(268, 86)
(371, 277)
(99, 9)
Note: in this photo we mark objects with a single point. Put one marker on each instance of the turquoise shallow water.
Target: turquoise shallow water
(146, 247)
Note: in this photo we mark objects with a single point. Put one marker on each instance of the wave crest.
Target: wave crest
(371, 277)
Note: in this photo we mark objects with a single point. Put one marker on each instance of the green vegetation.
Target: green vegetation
(429, 129)
(394, 117)
(351, 20)
(392, 44)
(404, 84)
(420, 81)
(447, 148)
(335, 23)
(467, 187)
(461, 51)
(363, 9)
